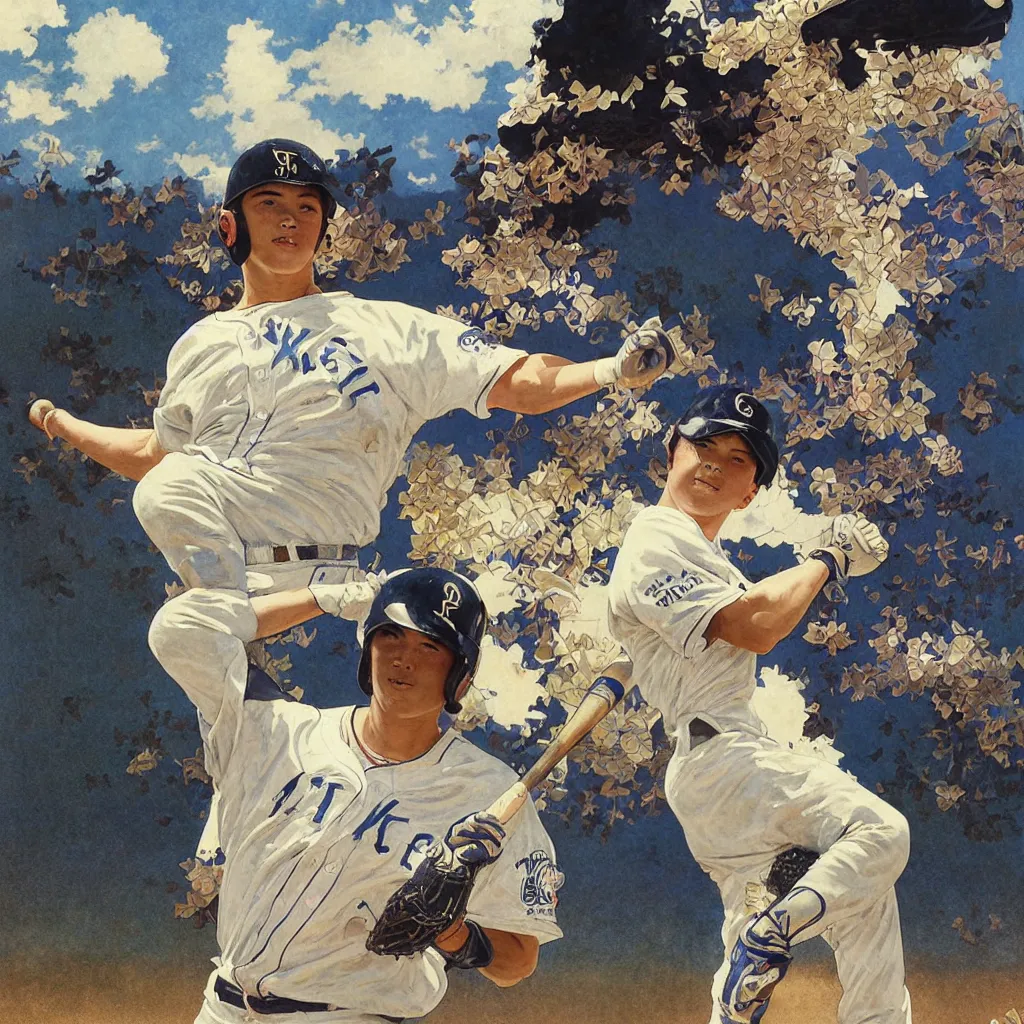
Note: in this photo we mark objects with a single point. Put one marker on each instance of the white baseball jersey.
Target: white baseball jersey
(316, 843)
(743, 798)
(319, 397)
(669, 581)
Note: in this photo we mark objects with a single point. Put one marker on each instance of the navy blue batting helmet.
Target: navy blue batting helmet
(274, 160)
(443, 605)
(728, 409)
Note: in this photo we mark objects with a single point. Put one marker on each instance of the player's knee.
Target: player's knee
(176, 629)
(164, 634)
(897, 840)
(145, 500)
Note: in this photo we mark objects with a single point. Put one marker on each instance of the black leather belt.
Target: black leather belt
(232, 994)
(314, 552)
(700, 732)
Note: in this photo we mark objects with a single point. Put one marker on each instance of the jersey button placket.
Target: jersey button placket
(261, 385)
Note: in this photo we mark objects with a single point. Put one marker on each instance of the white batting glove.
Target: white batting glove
(862, 543)
(348, 600)
(476, 839)
(642, 358)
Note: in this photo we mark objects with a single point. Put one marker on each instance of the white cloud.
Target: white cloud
(109, 46)
(778, 701)
(205, 169)
(422, 182)
(24, 18)
(148, 147)
(50, 152)
(773, 518)
(259, 100)
(445, 65)
(507, 689)
(419, 145)
(30, 98)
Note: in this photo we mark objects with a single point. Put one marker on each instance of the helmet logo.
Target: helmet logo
(452, 601)
(743, 406)
(287, 165)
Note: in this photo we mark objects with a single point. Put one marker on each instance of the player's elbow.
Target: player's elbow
(514, 961)
(750, 632)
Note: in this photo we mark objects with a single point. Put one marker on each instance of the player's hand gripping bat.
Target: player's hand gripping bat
(436, 895)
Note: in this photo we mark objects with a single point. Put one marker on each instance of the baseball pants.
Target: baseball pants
(742, 799)
(215, 1011)
(202, 516)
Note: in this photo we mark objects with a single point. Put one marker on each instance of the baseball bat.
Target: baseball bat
(598, 701)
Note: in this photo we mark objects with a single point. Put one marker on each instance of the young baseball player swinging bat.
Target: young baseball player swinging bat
(431, 904)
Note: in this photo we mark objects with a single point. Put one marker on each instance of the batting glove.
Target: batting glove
(860, 541)
(348, 600)
(475, 839)
(642, 358)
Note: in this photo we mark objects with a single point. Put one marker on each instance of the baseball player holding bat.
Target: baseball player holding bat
(284, 421)
(754, 811)
(324, 813)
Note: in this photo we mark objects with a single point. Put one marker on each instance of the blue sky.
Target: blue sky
(164, 89)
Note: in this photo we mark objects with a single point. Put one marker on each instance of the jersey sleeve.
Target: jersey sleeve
(172, 418)
(439, 364)
(519, 891)
(673, 585)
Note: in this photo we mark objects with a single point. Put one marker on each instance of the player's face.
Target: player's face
(711, 477)
(408, 671)
(284, 225)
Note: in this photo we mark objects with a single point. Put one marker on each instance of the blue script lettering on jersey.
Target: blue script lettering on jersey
(382, 817)
(316, 782)
(347, 371)
(419, 844)
(284, 338)
(540, 885)
(667, 590)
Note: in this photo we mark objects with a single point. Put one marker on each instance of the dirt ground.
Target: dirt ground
(81, 993)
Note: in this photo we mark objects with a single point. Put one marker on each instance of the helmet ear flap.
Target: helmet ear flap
(455, 688)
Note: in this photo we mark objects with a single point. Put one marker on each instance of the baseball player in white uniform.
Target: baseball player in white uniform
(750, 808)
(323, 813)
(284, 421)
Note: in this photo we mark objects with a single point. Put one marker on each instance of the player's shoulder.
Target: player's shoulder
(656, 526)
(194, 339)
(463, 755)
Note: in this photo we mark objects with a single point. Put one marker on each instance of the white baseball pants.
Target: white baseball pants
(742, 799)
(201, 516)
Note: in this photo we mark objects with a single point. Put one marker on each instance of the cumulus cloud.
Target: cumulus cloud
(23, 20)
(109, 46)
(773, 518)
(48, 149)
(506, 688)
(779, 703)
(419, 145)
(444, 65)
(205, 169)
(30, 98)
(258, 98)
(430, 179)
(148, 147)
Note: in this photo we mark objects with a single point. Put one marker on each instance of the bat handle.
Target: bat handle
(508, 804)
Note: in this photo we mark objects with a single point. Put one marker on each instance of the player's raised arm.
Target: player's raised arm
(128, 452)
(771, 609)
(276, 613)
(541, 382)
